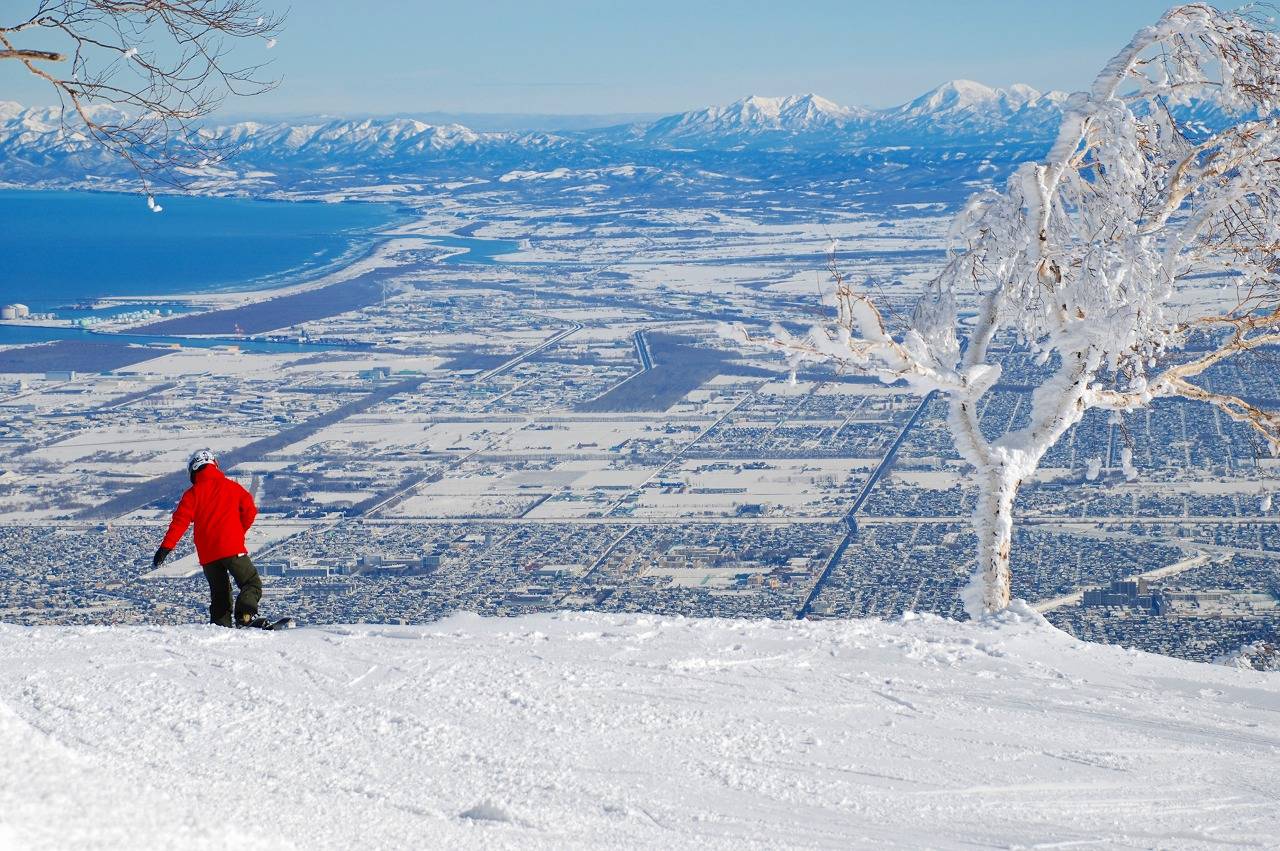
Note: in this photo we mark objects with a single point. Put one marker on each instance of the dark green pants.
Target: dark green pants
(247, 581)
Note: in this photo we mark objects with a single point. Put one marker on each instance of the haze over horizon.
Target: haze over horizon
(576, 58)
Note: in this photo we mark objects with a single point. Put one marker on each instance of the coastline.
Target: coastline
(350, 240)
(351, 287)
(377, 255)
(355, 281)
(291, 280)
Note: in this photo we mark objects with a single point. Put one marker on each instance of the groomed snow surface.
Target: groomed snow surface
(583, 730)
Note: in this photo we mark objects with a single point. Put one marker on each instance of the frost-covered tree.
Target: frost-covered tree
(137, 76)
(1088, 259)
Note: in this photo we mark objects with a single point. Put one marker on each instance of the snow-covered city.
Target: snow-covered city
(778, 473)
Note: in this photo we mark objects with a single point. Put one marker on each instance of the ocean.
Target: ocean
(62, 249)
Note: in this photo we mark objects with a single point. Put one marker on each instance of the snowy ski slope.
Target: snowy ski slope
(593, 731)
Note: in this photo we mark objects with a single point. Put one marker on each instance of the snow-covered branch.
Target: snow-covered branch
(859, 340)
(1175, 380)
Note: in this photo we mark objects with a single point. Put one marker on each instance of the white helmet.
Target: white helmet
(200, 458)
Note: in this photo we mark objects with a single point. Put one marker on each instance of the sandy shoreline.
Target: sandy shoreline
(252, 312)
(374, 255)
(379, 257)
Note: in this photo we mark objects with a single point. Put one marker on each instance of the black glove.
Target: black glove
(160, 556)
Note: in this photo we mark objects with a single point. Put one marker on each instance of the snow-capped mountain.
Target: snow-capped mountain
(755, 116)
(390, 138)
(340, 140)
(960, 111)
(956, 112)
(998, 125)
(41, 120)
(37, 149)
(970, 111)
(965, 98)
(371, 141)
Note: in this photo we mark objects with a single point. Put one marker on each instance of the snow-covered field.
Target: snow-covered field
(579, 730)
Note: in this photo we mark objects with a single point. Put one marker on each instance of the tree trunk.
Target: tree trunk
(988, 590)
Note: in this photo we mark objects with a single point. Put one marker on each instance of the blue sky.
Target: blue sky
(581, 56)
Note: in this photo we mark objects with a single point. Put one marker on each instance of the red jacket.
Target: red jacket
(222, 510)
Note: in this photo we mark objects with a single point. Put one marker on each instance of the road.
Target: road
(528, 353)
(642, 352)
(646, 363)
(887, 461)
(1050, 524)
(851, 529)
(132, 397)
(1078, 525)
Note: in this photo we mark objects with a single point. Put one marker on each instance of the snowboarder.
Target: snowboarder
(223, 511)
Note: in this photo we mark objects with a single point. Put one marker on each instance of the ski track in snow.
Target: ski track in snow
(586, 730)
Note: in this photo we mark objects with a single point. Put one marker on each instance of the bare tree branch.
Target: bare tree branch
(34, 55)
(143, 74)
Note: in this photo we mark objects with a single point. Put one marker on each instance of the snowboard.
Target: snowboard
(263, 623)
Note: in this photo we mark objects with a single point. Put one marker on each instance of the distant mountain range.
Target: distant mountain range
(958, 115)
(959, 111)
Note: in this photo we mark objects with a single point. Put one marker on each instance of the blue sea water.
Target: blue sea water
(60, 251)
(62, 248)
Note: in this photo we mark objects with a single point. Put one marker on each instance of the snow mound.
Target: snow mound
(585, 730)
